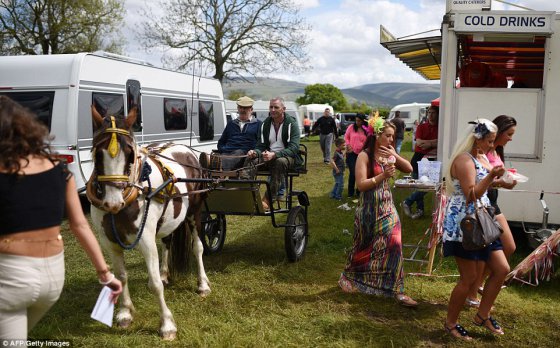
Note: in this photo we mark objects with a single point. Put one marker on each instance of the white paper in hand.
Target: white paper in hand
(103, 310)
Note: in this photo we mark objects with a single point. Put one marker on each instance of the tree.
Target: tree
(60, 26)
(323, 94)
(232, 38)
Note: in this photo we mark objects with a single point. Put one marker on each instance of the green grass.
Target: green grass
(260, 299)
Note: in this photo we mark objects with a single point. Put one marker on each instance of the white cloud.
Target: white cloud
(344, 42)
(345, 49)
(305, 4)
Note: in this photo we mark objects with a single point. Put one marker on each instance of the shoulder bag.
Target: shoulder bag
(479, 229)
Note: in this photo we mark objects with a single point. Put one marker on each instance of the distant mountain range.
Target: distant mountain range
(375, 94)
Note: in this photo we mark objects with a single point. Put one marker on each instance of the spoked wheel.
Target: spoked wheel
(295, 237)
(213, 233)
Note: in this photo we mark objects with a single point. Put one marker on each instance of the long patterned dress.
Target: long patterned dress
(375, 263)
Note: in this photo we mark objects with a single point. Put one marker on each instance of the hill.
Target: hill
(375, 94)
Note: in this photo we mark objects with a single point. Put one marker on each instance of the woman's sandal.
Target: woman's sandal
(469, 302)
(458, 331)
(406, 300)
(494, 327)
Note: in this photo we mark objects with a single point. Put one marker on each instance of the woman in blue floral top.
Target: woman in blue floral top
(464, 175)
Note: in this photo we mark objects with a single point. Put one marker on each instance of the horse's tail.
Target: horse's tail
(180, 250)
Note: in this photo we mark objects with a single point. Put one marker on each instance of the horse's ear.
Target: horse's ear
(131, 118)
(97, 118)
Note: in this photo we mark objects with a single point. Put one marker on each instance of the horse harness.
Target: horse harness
(139, 173)
(124, 182)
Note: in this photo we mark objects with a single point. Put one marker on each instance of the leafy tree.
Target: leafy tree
(323, 94)
(60, 26)
(384, 112)
(361, 107)
(232, 38)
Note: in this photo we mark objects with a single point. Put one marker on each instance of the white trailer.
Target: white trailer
(484, 55)
(60, 89)
(314, 111)
(409, 113)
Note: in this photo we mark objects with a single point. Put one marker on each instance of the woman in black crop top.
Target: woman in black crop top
(34, 191)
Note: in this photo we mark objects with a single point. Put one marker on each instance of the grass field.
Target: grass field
(260, 299)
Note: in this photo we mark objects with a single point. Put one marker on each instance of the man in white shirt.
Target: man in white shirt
(277, 146)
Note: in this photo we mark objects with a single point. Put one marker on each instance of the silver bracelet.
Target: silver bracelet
(111, 278)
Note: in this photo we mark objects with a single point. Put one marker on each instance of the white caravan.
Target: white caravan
(60, 89)
(314, 111)
(409, 113)
(261, 109)
(507, 63)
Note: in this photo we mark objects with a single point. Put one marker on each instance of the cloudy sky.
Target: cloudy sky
(344, 40)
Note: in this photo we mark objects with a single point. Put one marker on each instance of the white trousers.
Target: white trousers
(29, 286)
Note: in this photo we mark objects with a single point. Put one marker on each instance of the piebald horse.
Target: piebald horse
(117, 190)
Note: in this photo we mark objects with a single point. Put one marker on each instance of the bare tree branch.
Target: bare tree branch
(236, 38)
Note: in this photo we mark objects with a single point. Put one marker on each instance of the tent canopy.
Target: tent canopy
(422, 55)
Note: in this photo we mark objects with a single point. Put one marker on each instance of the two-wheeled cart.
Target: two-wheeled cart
(230, 195)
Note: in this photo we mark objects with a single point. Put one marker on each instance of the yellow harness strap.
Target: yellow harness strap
(113, 148)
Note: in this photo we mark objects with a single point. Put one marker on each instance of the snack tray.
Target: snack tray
(415, 184)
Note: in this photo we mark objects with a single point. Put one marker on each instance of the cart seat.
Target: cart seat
(302, 169)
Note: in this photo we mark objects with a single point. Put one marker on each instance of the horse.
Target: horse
(124, 173)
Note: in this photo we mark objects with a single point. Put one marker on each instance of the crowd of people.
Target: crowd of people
(31, 250)
(475, 172)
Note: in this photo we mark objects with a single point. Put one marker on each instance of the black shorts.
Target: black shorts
(456, 249)
(451, 248)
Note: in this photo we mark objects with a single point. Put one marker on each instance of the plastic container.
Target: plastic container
(429, 169)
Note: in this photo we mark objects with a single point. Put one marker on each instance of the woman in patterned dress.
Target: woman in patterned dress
(375, 263)
(466, 176)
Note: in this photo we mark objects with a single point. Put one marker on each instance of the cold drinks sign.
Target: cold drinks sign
(530, 22)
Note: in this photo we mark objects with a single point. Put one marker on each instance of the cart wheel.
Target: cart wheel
(214, 233)
(295, 238)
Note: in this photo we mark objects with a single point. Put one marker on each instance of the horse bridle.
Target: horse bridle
(127, 183)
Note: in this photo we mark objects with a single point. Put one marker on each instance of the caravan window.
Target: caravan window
(108, 104)
(206, 120)
(40, 103)
(133, 99)
(405, 114)
(174, 114)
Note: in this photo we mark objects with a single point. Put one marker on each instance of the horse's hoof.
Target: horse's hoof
(169, 336)
(125, 323)
(165, 282)
(204, 293)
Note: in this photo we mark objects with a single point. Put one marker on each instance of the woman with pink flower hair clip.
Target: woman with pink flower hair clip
(375, 263)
